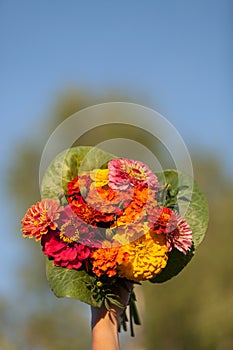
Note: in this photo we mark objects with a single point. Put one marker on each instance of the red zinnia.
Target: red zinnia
(69, 255)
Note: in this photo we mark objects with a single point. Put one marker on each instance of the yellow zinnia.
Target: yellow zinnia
(100, 177)
(147, 256)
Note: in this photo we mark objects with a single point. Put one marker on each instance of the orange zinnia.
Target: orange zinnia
(106, 260)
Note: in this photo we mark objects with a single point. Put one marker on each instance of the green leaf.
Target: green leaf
(197, 216)
(114, 301)
(176, 262)
(71, 283)
(67, 165)
(190, 203)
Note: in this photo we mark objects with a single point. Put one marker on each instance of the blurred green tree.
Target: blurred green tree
(188, 312)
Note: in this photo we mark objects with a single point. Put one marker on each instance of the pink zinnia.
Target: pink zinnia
(40, 217)
(124, 173)
(176, 229)
(71, 256)
(181, 237)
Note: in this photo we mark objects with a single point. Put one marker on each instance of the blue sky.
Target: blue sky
(178, 54)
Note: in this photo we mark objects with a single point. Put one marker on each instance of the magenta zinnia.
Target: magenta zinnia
(39, 218)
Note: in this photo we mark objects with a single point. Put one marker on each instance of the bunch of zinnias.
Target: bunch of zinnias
(109, 224)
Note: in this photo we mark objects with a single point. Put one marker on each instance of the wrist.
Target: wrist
(104, 329)
(103, 315)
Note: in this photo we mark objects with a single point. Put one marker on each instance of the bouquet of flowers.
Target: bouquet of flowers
(103, 221)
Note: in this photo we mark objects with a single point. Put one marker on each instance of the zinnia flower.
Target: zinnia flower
(181, 237)
(106, 260)
(82, 209)
(70, 255)
(105, 200)
(72, 229)
(135, 209)
(147, 257)
(124, 173)
(39, 218)
(177, 231)
(100, 177)
(165, 220)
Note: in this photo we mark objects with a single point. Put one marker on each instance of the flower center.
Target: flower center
(137, 173)
(69, 232)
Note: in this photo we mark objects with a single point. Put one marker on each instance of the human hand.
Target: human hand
(105, 323)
